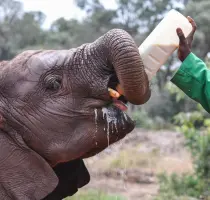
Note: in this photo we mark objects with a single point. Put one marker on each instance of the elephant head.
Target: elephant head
(55, 108)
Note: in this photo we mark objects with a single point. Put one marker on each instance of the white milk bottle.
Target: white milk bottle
(163, 41)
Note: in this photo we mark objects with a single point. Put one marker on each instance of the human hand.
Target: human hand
(185, 44)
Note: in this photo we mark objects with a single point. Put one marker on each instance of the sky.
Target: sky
(54, 9)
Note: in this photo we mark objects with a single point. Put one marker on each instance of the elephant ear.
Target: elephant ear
(72, 175)
(23, 173)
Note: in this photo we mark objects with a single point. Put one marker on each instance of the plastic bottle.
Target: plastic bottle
(163, 41)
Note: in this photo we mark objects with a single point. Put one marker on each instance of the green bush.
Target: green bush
(196, 129)
(94, 195)
(143, 120)
(197, 141)
(179, 186)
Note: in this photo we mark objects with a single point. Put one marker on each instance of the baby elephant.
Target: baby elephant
(55, 110)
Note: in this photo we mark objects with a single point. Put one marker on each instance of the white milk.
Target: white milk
(163, 41)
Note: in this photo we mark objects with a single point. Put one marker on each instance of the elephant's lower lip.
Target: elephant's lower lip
(119, 104)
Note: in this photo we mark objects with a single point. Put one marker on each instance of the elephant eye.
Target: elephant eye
(53, 83)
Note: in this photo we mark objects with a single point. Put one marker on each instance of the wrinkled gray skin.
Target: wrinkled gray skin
(51, 105)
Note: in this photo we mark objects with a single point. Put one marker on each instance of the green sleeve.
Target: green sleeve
(193, 78)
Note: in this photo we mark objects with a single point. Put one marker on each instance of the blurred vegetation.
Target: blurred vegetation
(131, 158)
(196, 128)
(20, 30)
(94, 195)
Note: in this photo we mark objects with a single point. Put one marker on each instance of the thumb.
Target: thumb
(182, 39)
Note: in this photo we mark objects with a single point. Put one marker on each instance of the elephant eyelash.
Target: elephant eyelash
(53, 83)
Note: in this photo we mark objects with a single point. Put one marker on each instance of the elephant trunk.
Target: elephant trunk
(125, 58)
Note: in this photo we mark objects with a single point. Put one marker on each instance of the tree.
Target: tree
(9, 10)
(18, 30)
(27, 31)
(199, 10)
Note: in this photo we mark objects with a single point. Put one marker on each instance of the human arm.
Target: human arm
(193, 78)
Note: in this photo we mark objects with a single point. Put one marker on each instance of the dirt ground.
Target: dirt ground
(130, 167)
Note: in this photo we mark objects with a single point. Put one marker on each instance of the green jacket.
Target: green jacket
(193, 78)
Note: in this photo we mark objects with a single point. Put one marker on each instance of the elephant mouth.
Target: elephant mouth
(120, 104)
(112, 124)
(121, 101)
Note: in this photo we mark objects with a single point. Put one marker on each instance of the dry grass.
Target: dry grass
(152, 161)
(131, 158)
(130, 167)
